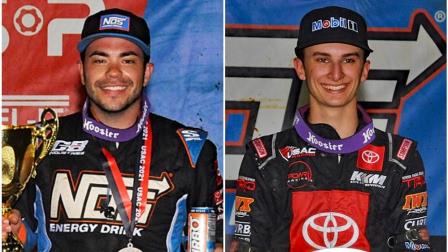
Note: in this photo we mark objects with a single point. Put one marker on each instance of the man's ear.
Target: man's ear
(365, 70)
(81, 72)
(148, 73)
(299, 68)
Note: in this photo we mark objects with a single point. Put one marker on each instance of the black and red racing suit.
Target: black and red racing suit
(294, 197)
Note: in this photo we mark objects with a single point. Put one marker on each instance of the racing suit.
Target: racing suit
(293, 197)
(70, 208)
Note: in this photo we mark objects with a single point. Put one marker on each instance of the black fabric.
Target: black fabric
(138, 30)
(332, 25)
(74, 168)
(268, 182)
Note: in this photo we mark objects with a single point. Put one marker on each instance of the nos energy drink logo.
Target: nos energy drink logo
(117, 22)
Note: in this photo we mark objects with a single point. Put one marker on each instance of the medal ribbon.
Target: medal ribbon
(107, 133)
(118, 188)
(338, 146)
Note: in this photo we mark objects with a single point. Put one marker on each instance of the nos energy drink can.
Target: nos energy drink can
(201, 229)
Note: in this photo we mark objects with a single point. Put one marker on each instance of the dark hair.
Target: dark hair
(301, 56)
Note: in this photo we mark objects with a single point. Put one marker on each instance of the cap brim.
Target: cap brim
(349, 42)
(85, 42)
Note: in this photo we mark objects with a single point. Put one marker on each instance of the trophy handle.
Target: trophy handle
(46, 133)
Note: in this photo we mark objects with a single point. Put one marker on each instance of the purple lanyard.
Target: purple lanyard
(104, 132)
(338, 146)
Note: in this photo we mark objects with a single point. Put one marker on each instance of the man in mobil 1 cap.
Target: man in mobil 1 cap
(119, 178)
(332, 180)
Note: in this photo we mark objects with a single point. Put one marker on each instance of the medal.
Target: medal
(129, 210)
(130, 248)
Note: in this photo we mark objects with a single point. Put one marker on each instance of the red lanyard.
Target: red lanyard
(118, 188)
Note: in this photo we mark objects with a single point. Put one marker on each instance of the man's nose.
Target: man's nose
(336, 72)
(114, 70)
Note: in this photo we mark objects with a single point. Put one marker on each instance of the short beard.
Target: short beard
(104, 108)
(114, 111)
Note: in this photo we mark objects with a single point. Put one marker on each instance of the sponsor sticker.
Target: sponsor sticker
(259, 147)
(242, 206)
(421, 173)
(62, 147)
(370, 158)
(246, 184)
(190, 135)
(324, 145)
(368, 179)
(89, 126)
(414, 181)
(416, 246)
(415, 222)
(299, 175)
(416, 201)
(404, 148)
(114, 22)
(77, 227)
(334, 22)
(344, 226)
(242, 228)
(218, 197)
(291, 152)
(79, 199)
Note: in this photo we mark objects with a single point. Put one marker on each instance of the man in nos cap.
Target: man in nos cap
(119, 178)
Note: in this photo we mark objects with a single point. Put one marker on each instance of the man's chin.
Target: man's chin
(115, 109)
(115, 106)
(112, 108)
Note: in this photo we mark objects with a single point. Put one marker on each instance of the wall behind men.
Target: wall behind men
(405, 92)
(39, 59)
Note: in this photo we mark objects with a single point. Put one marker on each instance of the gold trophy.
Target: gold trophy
(23, 148)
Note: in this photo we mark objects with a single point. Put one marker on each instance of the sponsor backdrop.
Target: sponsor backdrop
(40, 56)
(405, 92)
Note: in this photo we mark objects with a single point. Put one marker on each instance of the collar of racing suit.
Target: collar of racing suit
(104, 132)
(325, 138)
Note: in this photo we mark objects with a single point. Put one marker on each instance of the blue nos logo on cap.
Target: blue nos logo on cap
(114, 21)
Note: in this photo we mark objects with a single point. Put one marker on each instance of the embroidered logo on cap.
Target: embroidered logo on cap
(114, 22)
(334, 23)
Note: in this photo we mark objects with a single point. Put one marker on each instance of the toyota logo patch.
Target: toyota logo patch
(331, 226)
(370, 157)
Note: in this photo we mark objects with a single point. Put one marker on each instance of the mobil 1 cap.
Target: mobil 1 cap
(332, 25)
(115, 23)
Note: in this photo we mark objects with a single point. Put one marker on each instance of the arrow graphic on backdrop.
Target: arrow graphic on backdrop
(395, 54)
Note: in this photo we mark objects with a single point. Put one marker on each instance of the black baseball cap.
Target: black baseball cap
(115, 23)
(332, 24)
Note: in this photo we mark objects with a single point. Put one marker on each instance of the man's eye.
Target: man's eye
(322, 60)
(349, 60)
(129, 61)
(99, 61)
